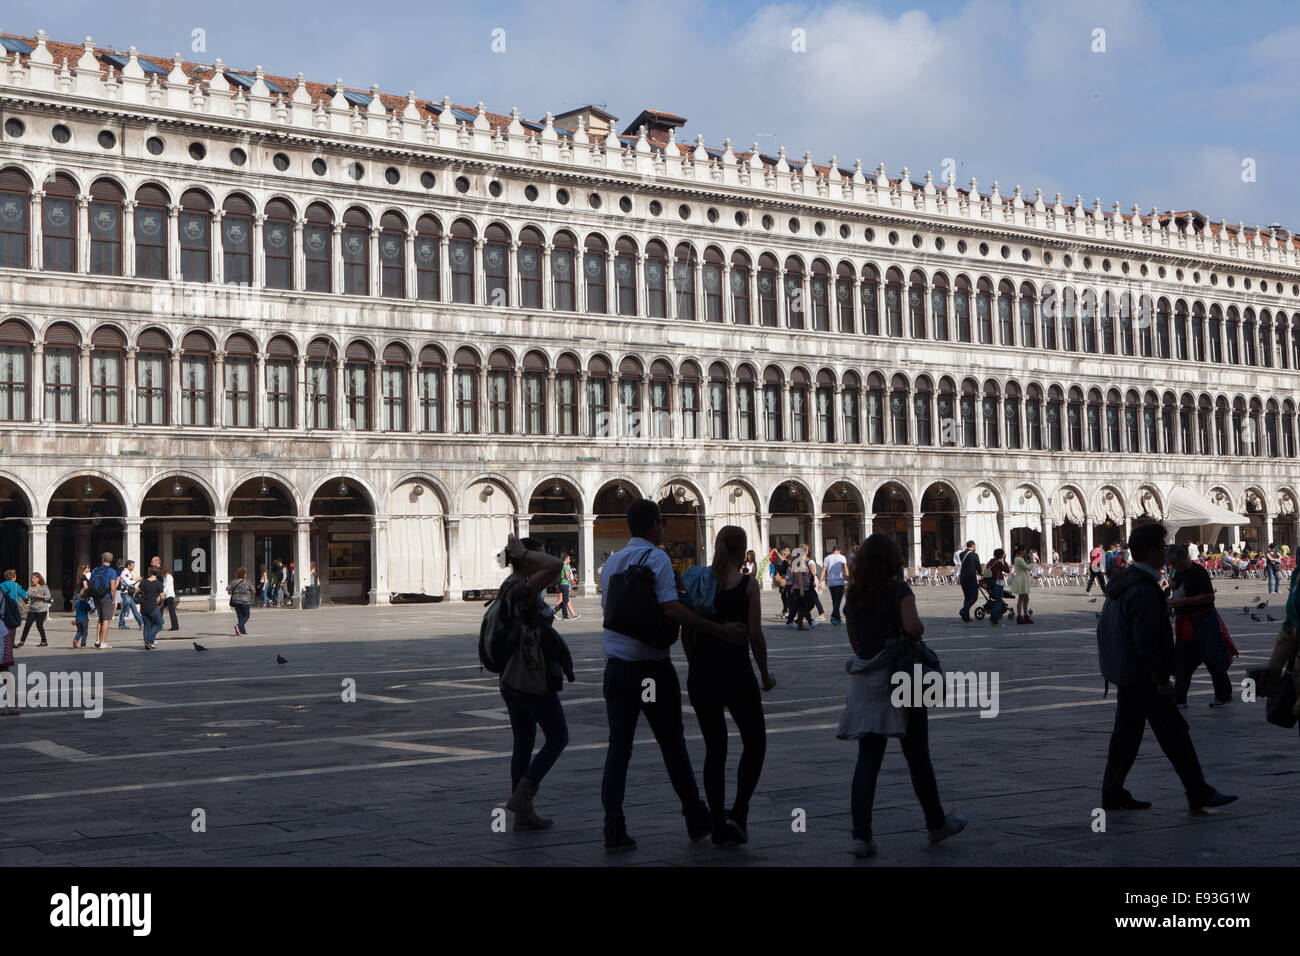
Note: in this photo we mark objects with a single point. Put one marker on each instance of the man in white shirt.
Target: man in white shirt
(125, 587)
(1193, 552)
(834, 576)
(640, 678)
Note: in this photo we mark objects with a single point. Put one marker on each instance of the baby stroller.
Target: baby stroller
(989, 605)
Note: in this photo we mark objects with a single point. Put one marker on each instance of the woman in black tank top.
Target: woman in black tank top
(721, 678)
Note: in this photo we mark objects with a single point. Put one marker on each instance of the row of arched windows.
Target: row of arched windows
(422, 388)
(275, 248)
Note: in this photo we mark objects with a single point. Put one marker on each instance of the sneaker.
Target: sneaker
(575, 617)
(1220, 703)
(1209, 798)
(863, 848)
(43, 644)
(953, 824)
(617, 839)
(105, 645)
(148, 647)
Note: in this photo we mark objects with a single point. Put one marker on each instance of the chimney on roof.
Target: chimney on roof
(597, 121)
(659, 126)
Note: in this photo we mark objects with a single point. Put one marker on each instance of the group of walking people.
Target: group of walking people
(996, 579)
(799, 579)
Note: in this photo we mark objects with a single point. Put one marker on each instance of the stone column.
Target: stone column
(128, 237)
(128, 385)
(219, 389)
(586, 555)
(338, 388)
(411, 279)
(728, 313)
(1268, 529)
(710, 533)
(411, 400)
(1128, 527)
(257, 411)
(373, 279)
(173, 412)
(301, 555)
(215, 263)
(840, 436)
(300, 393)
(546, 277)
(220, 569)
(782, 320)
(336, 259)
(1004, 532)
(83, 386)
(133, 526)
(258, 250)
(36, 405)
(517, 403)
(818, 539)
(764, 531)
(299, 257)
(785, 411)
(454, 589)
(83, 234)
(375, 400)
(1087, 538)
(916, 540)
(479, 272)
(444, 274)
(36, 224)
(379, 593)
(37, 540)
(611, 290)
(481, 399)
(551, 423)
(174, 242)
(581, 424)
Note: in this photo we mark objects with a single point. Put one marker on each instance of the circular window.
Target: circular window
(984, 248)
(427, 180)
(844, 230)
(1196, 277)
(1005, 252)
(656, 207)
(14, 127)
(768, 222)
(1246, 284)
(61, 133)
(495, 188)
(916, 242)
(684, 211)
(961, 245)
(712, 215)
(1087, 262)
(1068, 260)
(238, 156)
(281, 162)
(794, 224)
(1231, 280)
(893, 238)
(462, 184)
(1047, 258)
(392, 176)
(1124, 267)
(318, 166)
(625, 204)
(1161, 273)
(198, 152)
(530, 193)
(1105, 265)
(594, 200)
(562, 196)
(741, 218)
(870, 234)
(1278, 288)
(1179, 275)
(1295, 290)
(939, 243)
(356, 171)
(819, 228)
(107, 139)
(1024, 254)
(154, 145)
(1214, 278)
(1143, 269)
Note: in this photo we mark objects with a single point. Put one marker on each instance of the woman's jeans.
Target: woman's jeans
(152, 623)
(1274, 577)
(241, 617)
(527, 713)
(566, 607)
(916, 750)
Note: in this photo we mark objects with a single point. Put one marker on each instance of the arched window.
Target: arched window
(718, 402)
(1114, 434)
(992, 408)
(1249, 355)
(428, 260)
(949, 427)
(629, 397)
(819, 290)
(1168, 416)
(824, 406)
(894, 303)
(196, 380)
(1215, 334)
(462, 262)
(239, 412)
(1048, 317)
(397, 363)
(1006, 313)
(1295, 341)
(15, 219)
(432, 369)
(1288, 428)
(1204, 422)
(237, 241)
(15, 369)
(277, 244)
(1011, 411)
(106, 228)
(1069, 316)
(746, 404)
(566, 394)
(711, 274)
(772, 381)
(690, 400)
(1198, 332)
(1128, 342)
(563, 259)
(1034, 416)
(496, 265)
(740, 289)
(984, 311)
(921, 408)
(1028, 323)
(151, 232)
(1221, 426)
(281, 382)
(1186, 417)
(1094, 421)
(530, 268)
(870, 300)
(196, 236)
(1108, 323)
(625, 275)
(1257, 427)
(392, 256)
(899, 399)
(598, 376)
(1055, 419)
(970, 412)
(357, 368)
(656, 279)
(465, 391)
(795, 294)
(661, 399)
(1162, 329)
(356, 252)
(767, 269)
(59, 251)
(844, 296)
(1088, 319)
(593, 270)
(106, 389)
(1265, 339)
(1132, 435)
(799, 406)
(916, 303)
(534, 396)
(684, 263)
(322, 360)
(152, 362)
(318, 245)
(1075, 419)
(62, 349)
(876, 408)
(939, 306)
(500, 377)
(851, 397)
(1151, 433)
(1180, 330)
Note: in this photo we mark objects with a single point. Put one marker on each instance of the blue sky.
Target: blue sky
(1182, 96)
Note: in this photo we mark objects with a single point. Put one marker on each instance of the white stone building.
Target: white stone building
(247, 317)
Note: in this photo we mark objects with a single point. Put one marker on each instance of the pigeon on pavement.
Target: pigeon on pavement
(1255, 617)
(1271, 618)
(1261, 605)
(1093, 601)
(199, 647)
(280, 660)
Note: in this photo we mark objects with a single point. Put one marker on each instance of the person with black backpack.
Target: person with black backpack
(103, 594)
(536, 661)
(968, 576)
(1135, 645)
(638, 593)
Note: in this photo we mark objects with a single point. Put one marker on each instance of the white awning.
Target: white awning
(1187, 509)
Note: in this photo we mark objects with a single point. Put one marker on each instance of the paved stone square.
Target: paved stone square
(289, 774)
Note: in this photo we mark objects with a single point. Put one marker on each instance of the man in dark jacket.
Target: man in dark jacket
(968, 575)
(1135, 643)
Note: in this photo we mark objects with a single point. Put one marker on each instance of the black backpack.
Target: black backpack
(10, 613)
(632, 606)
(496, 633)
